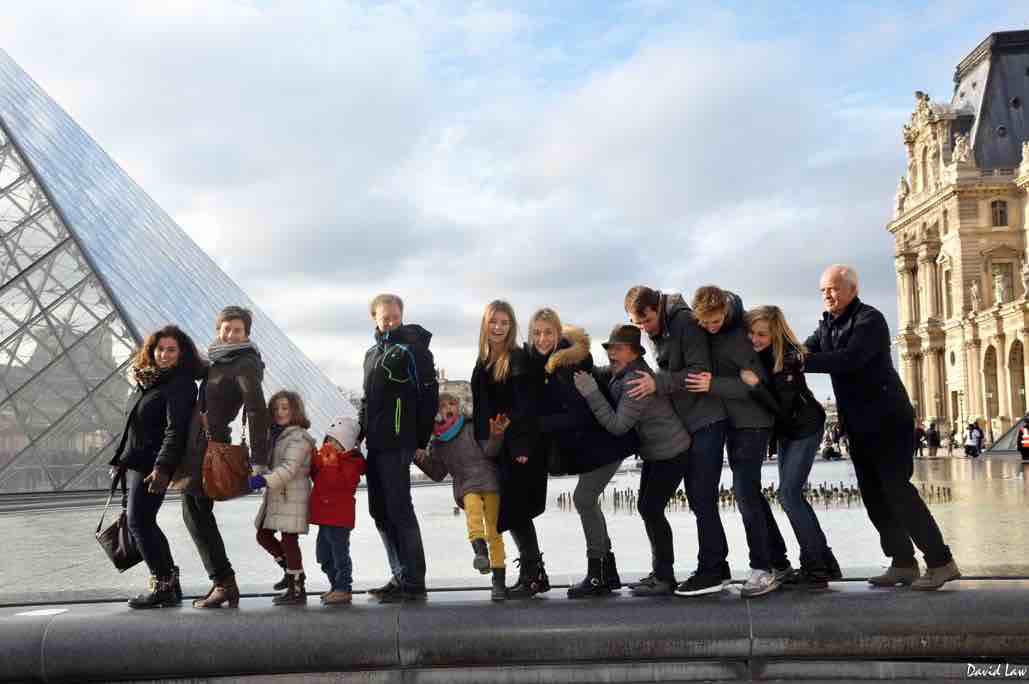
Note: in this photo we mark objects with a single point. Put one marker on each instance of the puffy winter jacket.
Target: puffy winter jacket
(336, 475)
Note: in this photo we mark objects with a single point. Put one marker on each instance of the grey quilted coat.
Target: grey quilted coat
(285, 504)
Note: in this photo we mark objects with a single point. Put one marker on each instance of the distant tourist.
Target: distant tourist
(502, 385)
(664, 444)
(681, 347)
(336, 471)
(287, 490)
(973, 440)
(454, 451)
(571, 436)
(233, 382)
(852, 344)
(920, 438)
(720, 314)
(799, 422)
(932, 439)
(1023, 438)
(152, 445)
(398, 410)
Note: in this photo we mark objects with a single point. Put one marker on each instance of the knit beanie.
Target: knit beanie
(344, 431)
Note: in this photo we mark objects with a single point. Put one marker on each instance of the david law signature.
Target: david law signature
(997, 671)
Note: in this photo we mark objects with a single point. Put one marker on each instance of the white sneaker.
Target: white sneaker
(759, 583)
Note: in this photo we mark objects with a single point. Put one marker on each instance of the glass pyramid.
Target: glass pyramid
(89, 265)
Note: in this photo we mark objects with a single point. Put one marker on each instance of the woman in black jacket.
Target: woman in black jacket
(502, 384)
(799, 422)
(572, 440)
(151, 447)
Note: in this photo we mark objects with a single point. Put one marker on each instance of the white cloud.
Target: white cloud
(456, 153)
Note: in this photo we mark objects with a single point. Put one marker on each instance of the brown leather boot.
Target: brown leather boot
(222, 592)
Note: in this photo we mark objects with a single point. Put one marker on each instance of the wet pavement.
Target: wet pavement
(981, 506)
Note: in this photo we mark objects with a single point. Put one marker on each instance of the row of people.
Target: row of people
(725, 380)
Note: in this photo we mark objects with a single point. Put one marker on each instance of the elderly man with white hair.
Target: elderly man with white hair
(852, 345)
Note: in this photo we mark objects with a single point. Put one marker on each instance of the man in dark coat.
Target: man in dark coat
(852, 345)
(401, 397)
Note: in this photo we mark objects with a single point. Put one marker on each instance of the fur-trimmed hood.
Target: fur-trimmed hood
(574, 352)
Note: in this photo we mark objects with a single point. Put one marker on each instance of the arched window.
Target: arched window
(999, 210)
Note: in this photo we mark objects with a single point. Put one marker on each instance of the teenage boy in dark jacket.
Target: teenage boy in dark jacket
(852, 345)
(401, 397)
(720, 313)
(682, 348)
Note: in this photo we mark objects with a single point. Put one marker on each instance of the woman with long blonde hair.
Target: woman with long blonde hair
(799, 422)
(502, 385)
(574, 442)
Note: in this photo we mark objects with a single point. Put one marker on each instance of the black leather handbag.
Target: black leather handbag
(116, 540)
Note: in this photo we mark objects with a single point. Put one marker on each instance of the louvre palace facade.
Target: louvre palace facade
(960, 222)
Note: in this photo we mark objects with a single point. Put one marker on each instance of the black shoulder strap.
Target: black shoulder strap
(119, 477)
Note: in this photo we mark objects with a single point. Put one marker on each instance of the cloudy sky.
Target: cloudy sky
(546, 153)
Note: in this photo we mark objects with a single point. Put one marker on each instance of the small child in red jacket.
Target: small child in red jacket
(336, 470)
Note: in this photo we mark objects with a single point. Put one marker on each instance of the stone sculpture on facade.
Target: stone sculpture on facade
(1000, 287)
(1025, 154)
(1025, 279)
(973, 293)
(903, 190)
(962, 153)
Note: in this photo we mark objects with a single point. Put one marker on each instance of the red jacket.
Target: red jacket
(336, 475)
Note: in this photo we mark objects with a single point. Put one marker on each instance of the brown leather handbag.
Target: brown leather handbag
(226, 469)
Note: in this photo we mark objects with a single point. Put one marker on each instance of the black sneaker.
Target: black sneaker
(404, 593)
(384, 589)
(703, 582)
(832, 566)
(806, 579)
(654, 586)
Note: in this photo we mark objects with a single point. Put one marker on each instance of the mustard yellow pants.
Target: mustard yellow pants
(481, 510)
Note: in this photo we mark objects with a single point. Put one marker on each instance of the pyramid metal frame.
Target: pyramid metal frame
(47, 325)
(89, 263)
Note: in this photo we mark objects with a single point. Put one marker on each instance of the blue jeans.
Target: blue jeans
(703, 473)
(333, 553)
(747, 449)
(795, 459)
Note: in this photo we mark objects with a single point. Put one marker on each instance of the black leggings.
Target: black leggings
(142, 514)
(525, 539)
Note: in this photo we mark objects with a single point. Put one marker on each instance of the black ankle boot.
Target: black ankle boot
(499, 590)
(481, 562)
(160, 594)
(594, 584)
(176, 585)
(284, 582)
(295, 591)
(614, 582)
(532, 579)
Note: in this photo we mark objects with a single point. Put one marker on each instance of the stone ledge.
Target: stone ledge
(721, 636)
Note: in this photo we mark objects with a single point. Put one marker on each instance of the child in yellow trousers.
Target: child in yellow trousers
(454, 450)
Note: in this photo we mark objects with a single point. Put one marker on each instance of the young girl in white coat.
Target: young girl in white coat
(287, 490)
